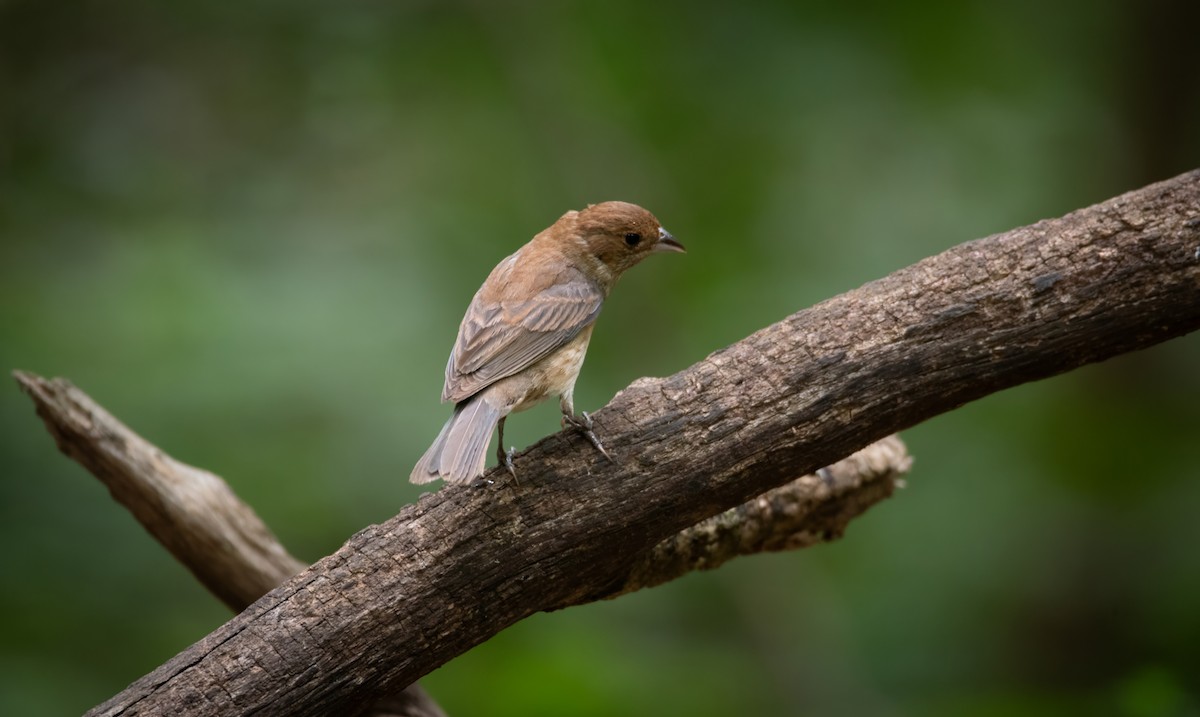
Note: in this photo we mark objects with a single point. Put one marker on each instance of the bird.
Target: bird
(526, 331)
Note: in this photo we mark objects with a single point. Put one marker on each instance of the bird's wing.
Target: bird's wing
(498, 339)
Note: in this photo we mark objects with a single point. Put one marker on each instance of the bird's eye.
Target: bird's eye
(633, 239)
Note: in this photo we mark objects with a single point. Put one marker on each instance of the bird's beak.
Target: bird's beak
(666, 242)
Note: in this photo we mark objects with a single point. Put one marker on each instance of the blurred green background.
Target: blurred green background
(250, 230)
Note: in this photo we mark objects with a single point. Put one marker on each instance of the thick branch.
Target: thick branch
(401, 598)
(225, 544)
(191, 512)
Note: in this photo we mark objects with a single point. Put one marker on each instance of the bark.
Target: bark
(401, 598)
(193, 513)
(806, 511)
(223, 542)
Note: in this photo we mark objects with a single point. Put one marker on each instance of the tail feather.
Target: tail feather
(459, 453)
(428, 469)
(464, 454)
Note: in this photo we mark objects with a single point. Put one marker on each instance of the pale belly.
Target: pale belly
(552, 376)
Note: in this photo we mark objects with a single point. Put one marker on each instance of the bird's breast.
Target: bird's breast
(553, 375)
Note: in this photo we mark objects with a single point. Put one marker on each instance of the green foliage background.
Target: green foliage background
(250, 229)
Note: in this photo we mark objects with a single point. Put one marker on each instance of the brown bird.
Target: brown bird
(525, 333)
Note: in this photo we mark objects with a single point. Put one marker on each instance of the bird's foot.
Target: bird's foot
(508, 463)
(506, 460)
(583, 424)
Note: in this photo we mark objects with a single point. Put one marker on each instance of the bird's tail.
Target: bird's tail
(459, 454)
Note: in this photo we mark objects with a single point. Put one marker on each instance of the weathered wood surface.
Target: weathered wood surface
(191, 512)
(227, 547)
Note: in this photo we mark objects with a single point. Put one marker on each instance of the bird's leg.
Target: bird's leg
(581, 423)
(506, 457)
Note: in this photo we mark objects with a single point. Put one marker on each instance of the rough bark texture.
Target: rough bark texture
(806, 511)
(228, 548)
(191, 512)
(401, 598)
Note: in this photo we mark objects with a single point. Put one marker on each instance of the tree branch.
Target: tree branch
(203, 523)
(399, 599)
(806, 511)
(191, 512)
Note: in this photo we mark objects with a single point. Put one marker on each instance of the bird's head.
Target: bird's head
(621, 234)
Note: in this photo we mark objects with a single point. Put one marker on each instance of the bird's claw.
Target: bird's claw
(506, 458)
(508, 463)
(584, 425)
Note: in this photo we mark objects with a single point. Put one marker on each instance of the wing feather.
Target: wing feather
(501, 338)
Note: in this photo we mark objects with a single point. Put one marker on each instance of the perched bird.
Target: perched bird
(527, 329)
